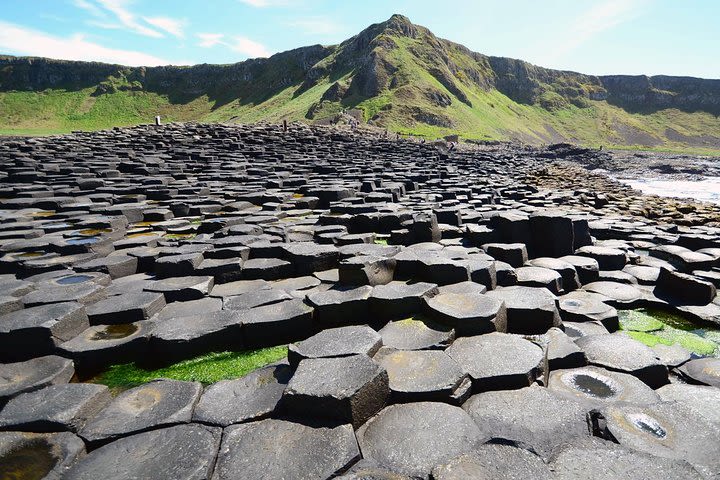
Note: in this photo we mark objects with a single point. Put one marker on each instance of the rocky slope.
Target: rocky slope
(394, 74)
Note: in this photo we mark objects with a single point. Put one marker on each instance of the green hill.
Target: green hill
(395, 74)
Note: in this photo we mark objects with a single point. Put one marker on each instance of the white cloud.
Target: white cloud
(166, 24)
(244, 45)
(93, 9)
(266, 3)
(248, 47)
(20, 40)
(208, 40)
(127, 18)
(599, 18)
(316, 25)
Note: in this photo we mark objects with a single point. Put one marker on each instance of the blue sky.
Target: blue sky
(671, 37)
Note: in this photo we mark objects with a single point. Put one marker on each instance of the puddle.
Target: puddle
(82, 241)
(653, 326)
(73, 279)
(592, 385)
(115, 332)
(647, 424)
(33, 460)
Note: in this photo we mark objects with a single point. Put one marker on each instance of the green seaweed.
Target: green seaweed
(652, 326)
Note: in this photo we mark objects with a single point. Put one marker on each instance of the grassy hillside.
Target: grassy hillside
(398, 75)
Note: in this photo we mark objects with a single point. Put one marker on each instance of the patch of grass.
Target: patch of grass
(209, 368)
(381, 241)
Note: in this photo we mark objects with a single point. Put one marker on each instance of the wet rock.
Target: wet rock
(38, 455)
(182, 452)
(252, 397)
(343, 389)
(54, 408)
(498, 361)
(336, 342)
(413, 438)
(152, 405)
(252, 450)
(533, 417)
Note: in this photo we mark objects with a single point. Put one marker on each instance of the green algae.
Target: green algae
(652, 327)
(207, 369)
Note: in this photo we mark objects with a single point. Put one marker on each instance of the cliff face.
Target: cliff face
(400, 76)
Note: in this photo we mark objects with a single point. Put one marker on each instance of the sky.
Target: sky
(671, 37)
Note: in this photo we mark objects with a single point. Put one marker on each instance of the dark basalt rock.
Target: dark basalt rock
(666, 429)
(598, 387)
(252, 450)
(336, 342)
(252, 397)
(152, 405)
(126, 308)
(54, 408)
(468, 314)
(399, 299)
(498, 361)
(36, 331)
(593, 459)
(494, 461)
(342, 389)
(530, 310)
(416, 334)
(413, 438)
(182, 452)
(623, 354)
(34, 374)
(533, 417)
(702, 371)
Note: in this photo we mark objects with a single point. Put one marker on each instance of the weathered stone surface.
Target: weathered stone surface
(540, 277)
(54, 408)
(126, 308)
(182, 289)
(704, 400)
(582, 306)
(532, 417)
(623, 354)
(684, 289)
(607, 258)
(341, 306)
(252, 397)
(617, 294)
(345, 389)
(416, 334)
(562, 352)
(154, 404)
(276, 324)
(529, 310)
(702, 371)
(182, 452)
(598, 387)
(399, 299)
(496, 462)
(666, 429)
(38, 455)
(34, 374)
(336, 342)
(595, 459)
(184, 337)
(413, 438)
(252, 450)
(468, 314)
(497, 361)
(423, 375)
